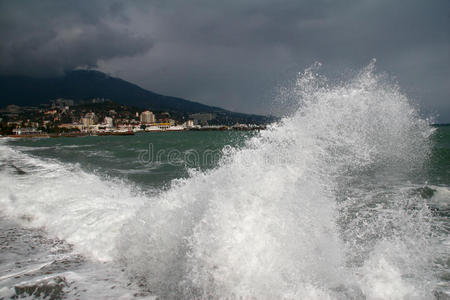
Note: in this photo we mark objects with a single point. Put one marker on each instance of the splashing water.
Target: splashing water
(319, 206)
(311, 209)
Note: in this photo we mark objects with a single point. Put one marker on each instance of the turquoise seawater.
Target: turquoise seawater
(154, 159)
(150, 160)
(438, 168)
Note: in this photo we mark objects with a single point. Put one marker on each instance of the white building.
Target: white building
(89, 119)
(202, 118)
(24, 131)
(87, 122)
(147, 117)
(108, 122)
(189, 123)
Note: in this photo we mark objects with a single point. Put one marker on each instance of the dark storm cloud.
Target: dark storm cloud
(48, 37)
(236, 54)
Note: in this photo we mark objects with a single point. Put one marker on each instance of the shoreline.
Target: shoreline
(55, 135)
(118, 133)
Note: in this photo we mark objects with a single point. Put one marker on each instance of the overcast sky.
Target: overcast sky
(235, 54)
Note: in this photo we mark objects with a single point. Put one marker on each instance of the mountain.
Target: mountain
(86, 84)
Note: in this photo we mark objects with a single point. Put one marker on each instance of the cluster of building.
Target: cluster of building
(62, 115)
(145, 121)
(149, 123)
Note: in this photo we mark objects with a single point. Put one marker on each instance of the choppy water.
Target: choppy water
(347, 198)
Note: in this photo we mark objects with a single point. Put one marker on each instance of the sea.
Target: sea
(346, 197)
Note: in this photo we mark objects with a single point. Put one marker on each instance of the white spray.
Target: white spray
(297, 213)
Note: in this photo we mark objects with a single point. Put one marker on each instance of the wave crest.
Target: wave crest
(305, 210)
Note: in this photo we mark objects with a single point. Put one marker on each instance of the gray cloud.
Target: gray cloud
(48, 37)
(235, 54)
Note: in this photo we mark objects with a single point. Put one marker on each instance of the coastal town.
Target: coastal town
(99, 116)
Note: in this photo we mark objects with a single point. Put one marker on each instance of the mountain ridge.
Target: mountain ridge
(88, 84)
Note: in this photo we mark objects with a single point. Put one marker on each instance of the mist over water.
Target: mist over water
(323, 205)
